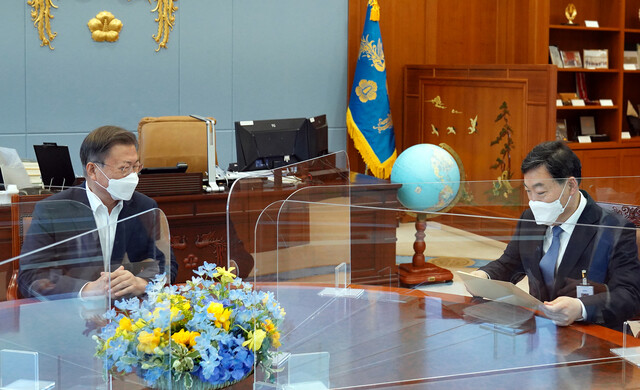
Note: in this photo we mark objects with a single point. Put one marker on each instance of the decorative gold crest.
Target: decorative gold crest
(166, 19)
(105, 27)
(384, 124)
(373, 52)
(41, 16)
(367, 90)
(570, 12)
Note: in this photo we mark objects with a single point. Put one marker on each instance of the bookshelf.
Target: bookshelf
(618, 30)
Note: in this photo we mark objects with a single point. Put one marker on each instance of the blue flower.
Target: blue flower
(209, 362)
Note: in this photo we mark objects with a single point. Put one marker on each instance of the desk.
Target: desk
(397, 337)
(388, 338)
(199, 229)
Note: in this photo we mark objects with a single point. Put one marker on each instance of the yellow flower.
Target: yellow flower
(254, 340)
(125, 324)
(192, 338)
(367, 90)
(268, 326)
(149, 341)
(224, 275)
(275, 337)
(185, 338)
(221, 314)
(139, 324)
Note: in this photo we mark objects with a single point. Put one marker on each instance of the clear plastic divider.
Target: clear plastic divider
(419, 332)
(65, 325)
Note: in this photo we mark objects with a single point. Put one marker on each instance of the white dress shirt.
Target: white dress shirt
(106, 224)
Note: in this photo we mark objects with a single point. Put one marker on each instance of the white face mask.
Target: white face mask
(547, 213)
(121, 189)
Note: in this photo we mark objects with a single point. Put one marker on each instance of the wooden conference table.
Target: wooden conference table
(387, 338)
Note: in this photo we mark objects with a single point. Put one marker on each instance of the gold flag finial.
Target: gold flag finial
(375, 11)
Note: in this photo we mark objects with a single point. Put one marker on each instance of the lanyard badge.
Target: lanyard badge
(584, 289)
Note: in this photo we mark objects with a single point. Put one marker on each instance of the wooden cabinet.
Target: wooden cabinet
(198, 226)
(619, 30)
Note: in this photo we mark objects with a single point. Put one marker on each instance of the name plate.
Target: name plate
(606, 102)
(591, 23)
(630, 67)
(584, 139)
(577, 102)
(626, 135)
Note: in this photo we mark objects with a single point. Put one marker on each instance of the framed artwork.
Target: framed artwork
(561, 130)
(587, 125)
(571, 59)
(630, 59)
(596, 59)
(554, 55)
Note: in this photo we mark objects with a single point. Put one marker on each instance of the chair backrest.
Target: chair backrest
(22, 207)
(630, 212)
(167, 140)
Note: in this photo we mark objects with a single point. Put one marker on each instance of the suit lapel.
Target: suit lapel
(583, 234)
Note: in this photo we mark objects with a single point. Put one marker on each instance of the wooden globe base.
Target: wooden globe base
(419, 271)
(430, 273)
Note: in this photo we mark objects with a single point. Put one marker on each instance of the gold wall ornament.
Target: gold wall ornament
(166, 20)
(105, 27)
(41, 16)
(570, 12)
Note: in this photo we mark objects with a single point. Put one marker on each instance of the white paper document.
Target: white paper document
(498, 290)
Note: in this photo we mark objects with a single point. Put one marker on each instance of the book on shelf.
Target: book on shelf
(571, 59)
(554, 55)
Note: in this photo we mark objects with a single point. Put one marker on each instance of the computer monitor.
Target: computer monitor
(269, 144)
(55, 165)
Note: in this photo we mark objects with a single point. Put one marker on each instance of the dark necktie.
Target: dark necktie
(548, 262)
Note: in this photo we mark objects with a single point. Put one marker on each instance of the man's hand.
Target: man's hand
(480, 274)
(123, 282)
(97, 287)
(563, 311)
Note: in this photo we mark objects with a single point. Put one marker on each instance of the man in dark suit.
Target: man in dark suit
(102, 219)
(563, 233)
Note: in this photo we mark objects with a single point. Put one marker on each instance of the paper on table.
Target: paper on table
(498, 291)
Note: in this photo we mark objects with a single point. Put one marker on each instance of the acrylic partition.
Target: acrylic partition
(401, 328)
(68, 294)
(253, 194)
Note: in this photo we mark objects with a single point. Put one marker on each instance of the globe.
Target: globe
(429, 175)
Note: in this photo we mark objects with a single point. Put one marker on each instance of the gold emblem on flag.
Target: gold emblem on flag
(384, 124)
(367, 90)
(373, 52)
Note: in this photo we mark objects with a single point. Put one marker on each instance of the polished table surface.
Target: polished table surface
(387, 338)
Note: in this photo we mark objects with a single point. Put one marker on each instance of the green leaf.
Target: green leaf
(499, 117)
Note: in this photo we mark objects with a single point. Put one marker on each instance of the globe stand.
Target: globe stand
(419, 271)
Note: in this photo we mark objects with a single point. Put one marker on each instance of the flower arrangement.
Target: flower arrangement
(206, 334)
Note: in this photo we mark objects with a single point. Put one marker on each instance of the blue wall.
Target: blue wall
(230, 59)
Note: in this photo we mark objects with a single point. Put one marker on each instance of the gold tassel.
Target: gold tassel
(375, 11)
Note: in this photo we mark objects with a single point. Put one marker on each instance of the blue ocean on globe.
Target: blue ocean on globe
(429, 175)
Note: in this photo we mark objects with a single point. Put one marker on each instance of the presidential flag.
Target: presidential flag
(368, 116)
